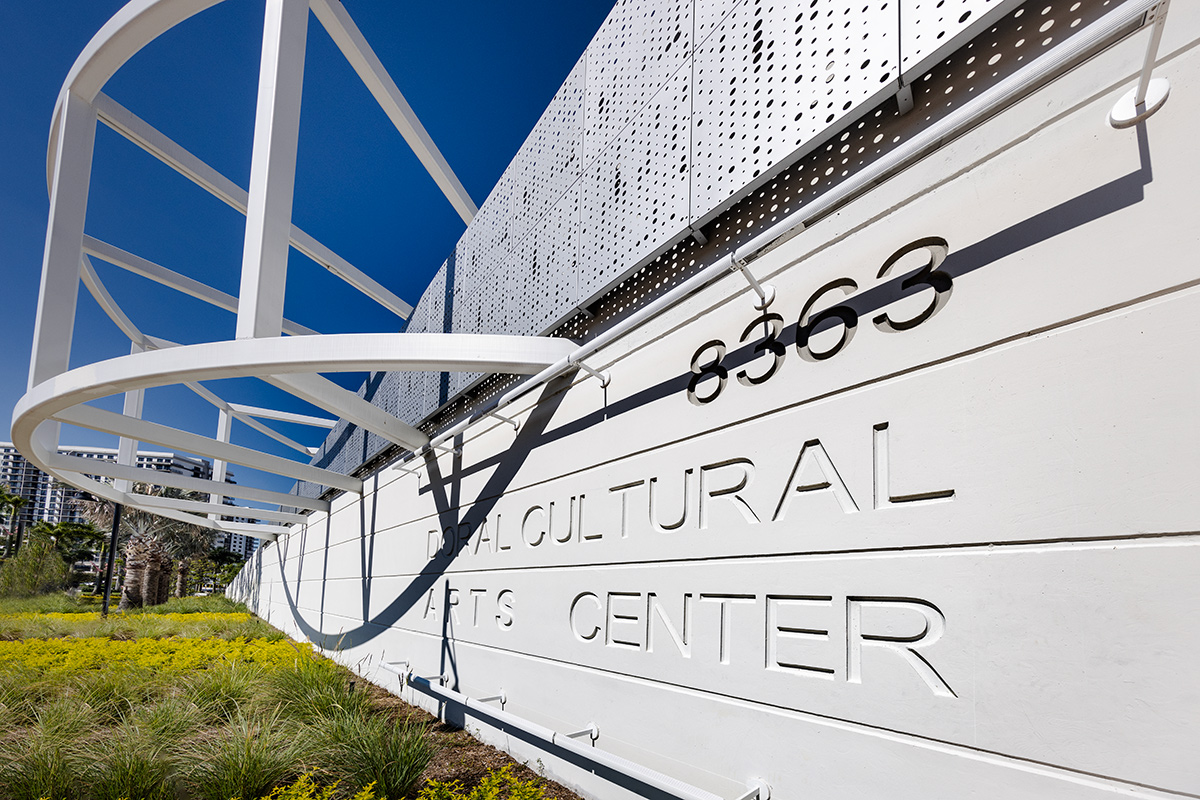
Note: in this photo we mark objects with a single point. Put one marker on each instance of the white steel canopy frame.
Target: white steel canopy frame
(293, 363)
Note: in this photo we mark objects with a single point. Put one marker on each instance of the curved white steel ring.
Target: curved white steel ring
(137, 24)
(263, 357)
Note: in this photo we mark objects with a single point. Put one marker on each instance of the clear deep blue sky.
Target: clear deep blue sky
(478, 74)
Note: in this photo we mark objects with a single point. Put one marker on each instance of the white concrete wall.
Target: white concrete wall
(963, 561)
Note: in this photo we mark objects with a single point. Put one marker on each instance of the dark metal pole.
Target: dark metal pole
(112, 557)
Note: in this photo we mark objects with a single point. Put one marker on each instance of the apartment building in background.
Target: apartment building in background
(52, 501)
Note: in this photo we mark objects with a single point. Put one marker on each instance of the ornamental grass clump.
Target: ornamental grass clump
(113, 694)
(312, 689)
(44, 764)
(361, 751)
(225, 691)
(247, 758)
(130, 762)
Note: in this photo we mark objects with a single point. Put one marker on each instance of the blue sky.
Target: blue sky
(478, 74)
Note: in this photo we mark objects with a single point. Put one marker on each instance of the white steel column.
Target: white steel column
(64, 240)
(224, 427)
(273, 170)
(127, 448)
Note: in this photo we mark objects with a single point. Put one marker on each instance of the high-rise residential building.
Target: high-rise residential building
(52, 501)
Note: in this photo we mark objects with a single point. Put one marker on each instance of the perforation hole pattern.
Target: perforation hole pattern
(635, 196)
(542, 284)
(774, 76)
(549, 162)
(707, 15)
(639, 46)
(928, 25)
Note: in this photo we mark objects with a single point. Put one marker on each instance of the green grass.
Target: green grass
(360, 751)
(247, 758)
(45, 763)
(59, 602)
(222, 693)
(313, 689)
(85, 725)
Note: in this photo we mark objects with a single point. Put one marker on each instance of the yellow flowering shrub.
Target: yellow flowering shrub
(307, 789)
(199, 616)
(172, 655)
(498, 784)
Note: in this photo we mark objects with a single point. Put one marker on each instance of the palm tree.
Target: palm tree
(150, 542)
(187, 543)
(75, 541)
(10, 504)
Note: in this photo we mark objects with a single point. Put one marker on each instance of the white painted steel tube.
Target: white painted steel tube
(624, 766)
(950, 127)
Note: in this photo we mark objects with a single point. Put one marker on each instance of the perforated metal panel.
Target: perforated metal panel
(635, 195)
(542, 284)
(707, 15)
(486, 243)
(429, 317)
(774, 76)
(551, 158)
(929, 29)
(641, 44)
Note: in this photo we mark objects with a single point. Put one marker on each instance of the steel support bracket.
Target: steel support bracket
(592, 731)
(604, 377)
(766, 293)
(1150, 93)
(756, 790)
(515, 424)
(502, 697)
(399, 467)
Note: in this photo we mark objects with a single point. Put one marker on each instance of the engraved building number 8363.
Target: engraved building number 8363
(769, 350)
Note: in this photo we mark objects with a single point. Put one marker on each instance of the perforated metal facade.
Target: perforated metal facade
(713, 115)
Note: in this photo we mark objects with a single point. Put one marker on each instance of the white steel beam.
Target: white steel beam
(283, 416)
(157, 144)
(228, 410)
(270, 532)
(224, 428)
(99, 419)
(166, 150)
(349, 39)
(110, 469)
(339, 352)
(98, 291)
(273, 170)
(181, 283)
(55, 322)
(349, 273)
(127, 448)
(106, 491)
(326, 394)
(216, 509)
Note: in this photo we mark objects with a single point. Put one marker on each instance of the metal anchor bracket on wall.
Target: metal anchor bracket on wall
(592, 731)
(603, 376)
(1150, 93)
(502, 697)
(755, 790)
(515, 424)
(766, 294)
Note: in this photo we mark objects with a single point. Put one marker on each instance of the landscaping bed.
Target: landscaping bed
(199, 699)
